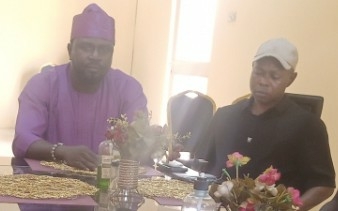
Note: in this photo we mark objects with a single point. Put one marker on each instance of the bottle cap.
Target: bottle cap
(201, 183)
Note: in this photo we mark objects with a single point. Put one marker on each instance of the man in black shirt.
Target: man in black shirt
(273, 130)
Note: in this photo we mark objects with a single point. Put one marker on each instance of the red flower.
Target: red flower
(269, 176)
(119, 136)
(109, 135)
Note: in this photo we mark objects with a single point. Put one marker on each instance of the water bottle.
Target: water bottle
(199, 199)
(102, 198)
(104, 170)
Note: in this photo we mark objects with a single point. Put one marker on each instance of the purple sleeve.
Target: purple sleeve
(32, 116)
(134, 98)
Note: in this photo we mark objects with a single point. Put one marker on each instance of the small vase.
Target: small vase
(126, 196)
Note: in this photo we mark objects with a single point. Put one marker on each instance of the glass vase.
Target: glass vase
(125, 196)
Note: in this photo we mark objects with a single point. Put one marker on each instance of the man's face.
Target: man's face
(269, 80)
(91, 59)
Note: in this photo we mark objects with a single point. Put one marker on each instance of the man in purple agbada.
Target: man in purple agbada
(63, 110)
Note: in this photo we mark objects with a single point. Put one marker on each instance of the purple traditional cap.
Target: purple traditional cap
(93, 22)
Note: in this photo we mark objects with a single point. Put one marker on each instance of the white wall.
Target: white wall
(150, 61)
(36, 32)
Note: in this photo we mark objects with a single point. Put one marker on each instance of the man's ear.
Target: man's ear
(69, 49)
(292, 78)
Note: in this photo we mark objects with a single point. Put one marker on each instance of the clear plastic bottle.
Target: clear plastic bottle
(102, 197)
(104, 170)
(199, 200)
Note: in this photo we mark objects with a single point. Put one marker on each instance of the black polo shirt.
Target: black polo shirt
(287, 137)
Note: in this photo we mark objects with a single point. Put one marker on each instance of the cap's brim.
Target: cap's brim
(284, 63)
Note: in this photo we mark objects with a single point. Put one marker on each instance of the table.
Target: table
(7, 167)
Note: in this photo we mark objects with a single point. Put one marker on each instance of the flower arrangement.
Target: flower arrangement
(247, 194)
(138, 140)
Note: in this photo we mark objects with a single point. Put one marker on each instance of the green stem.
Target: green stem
(226, 173)
(237, 170)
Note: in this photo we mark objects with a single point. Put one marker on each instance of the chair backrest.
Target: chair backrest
(190, 111)
(312, 103)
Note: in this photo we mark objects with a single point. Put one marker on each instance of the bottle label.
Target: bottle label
(105, 173)
(106, 159)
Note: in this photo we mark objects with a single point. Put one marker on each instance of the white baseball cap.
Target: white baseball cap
(281, 49)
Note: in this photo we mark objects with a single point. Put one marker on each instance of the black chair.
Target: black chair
(331, 205)
(312, 103)
(190, 111)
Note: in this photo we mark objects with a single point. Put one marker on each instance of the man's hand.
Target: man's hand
(76, 156)
(80, 157)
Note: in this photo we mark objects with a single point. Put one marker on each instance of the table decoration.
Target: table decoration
(161, 187)
(167, 192)
(136, 141)
(41, 189)
(247, 194)
(126, 195)
(64, 167)
(35, 165)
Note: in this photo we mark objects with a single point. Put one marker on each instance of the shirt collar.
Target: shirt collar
(279, 108)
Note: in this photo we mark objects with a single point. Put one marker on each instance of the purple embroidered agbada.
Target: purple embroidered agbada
(50, 109)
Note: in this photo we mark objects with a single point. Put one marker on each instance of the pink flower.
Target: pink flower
(269, 176)
(236, 159)
(295, 196)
